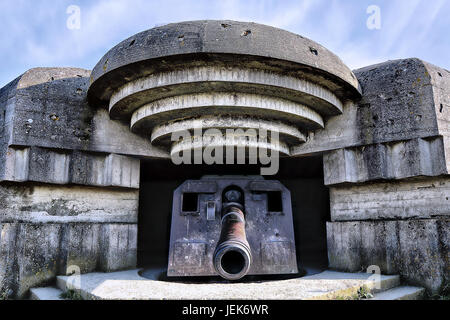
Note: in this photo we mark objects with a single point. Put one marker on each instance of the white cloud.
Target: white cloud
(35, 33)
(396, 19)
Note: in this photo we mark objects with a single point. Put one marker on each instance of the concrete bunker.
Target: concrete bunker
(86, 179)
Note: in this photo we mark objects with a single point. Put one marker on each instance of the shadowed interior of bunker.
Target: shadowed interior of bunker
(302, 176)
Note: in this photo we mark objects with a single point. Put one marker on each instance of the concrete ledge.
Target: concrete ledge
(419, 198)
(401, 293)
(35, 203)
(129, 285)
(70, 167)
(389, 161)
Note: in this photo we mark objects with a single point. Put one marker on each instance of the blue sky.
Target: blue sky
(34, 33)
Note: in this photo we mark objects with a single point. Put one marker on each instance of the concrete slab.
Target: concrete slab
(401, 293)
(48, 293)
(130, 285)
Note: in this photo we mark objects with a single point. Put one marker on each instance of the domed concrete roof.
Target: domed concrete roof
(163, 48)
(222, 75)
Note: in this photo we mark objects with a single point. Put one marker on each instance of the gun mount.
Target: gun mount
(231, 227)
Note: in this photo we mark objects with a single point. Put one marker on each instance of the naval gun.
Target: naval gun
(231, 226)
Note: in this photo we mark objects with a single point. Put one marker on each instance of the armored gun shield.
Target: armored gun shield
(231, 227)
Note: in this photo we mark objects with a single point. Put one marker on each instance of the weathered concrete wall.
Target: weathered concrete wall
(69, 180)
(34, 254)
(389, 186)
(440, 79)
(399, 103)
(7, 99)
(47, 107)
(418, 250)
(47, 228)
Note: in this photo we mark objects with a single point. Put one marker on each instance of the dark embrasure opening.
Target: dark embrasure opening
(302, 176)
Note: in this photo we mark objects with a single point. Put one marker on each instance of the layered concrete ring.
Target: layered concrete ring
(214, 143)
(162, 134)
(249, 105)
(209, 79)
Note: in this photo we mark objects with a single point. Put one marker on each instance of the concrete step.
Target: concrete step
(401, 293)
(347, 290)
(48, 293)
(131, 285)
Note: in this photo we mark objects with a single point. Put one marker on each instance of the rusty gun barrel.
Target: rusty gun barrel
(232, 257)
